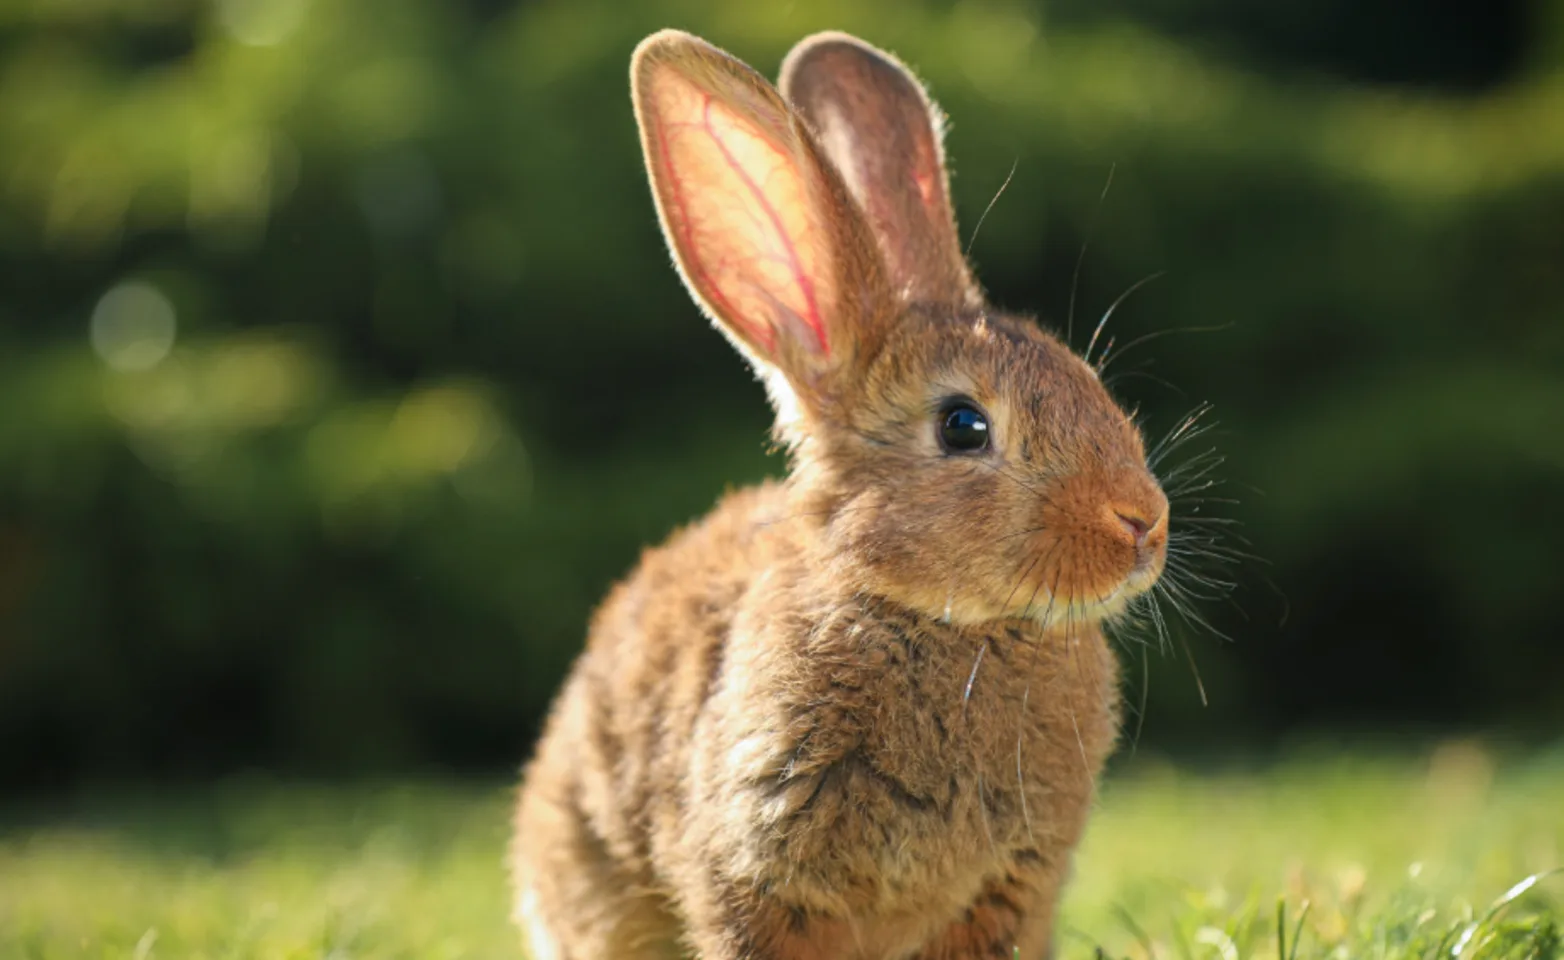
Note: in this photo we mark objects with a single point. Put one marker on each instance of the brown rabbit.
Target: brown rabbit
(859, 712)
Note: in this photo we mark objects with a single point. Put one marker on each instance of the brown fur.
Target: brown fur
(860, 712)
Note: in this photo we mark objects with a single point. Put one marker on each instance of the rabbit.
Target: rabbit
(859, 712)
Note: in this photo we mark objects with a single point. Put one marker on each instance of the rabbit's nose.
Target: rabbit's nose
(1136, 525)
(1137, 521)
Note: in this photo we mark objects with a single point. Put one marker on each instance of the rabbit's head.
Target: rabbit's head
(958, 460)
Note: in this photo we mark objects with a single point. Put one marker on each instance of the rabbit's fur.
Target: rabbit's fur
(859, 712)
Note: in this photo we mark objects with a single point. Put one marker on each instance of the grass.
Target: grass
(1320, 857)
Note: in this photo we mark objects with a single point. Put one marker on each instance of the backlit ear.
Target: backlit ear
(763, 230)
(878, 127)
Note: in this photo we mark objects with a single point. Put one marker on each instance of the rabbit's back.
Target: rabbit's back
(653, 653)
(610, 770)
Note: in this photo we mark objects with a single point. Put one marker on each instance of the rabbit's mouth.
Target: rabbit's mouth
(1056, 613)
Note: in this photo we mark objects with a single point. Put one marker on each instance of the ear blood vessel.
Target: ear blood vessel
(859, 712)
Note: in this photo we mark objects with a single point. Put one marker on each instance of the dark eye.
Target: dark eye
(963, 428)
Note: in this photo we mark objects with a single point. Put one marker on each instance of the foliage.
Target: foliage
(344, 366)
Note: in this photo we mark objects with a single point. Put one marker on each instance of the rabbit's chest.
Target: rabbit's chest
(910, 767)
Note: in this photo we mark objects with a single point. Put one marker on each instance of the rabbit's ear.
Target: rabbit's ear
(762, 228)
(877, 125)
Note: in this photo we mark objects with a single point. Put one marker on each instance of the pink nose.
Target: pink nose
(1136, 525)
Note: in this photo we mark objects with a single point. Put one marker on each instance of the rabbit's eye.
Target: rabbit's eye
(963, 428)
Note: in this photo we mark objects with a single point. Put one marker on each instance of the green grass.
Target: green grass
(1316, 858)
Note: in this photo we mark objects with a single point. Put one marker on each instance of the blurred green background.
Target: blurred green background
(342, 366)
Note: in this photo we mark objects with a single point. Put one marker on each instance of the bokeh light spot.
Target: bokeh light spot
(260, 23)
(436, 430)
(133, 326)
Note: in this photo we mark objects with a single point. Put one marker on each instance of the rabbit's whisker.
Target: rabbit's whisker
(1044, 559)
(1140, 707)
(1109, 313)
(1133, 372)
(1080, 258)
(1075, 723)
(1178, 598)
(966, 694)
(1156, 334)
(997, 194)
(1026, 815)
(1014, 479)
(1026, 694)
(1177, 435)
(1029, 531)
